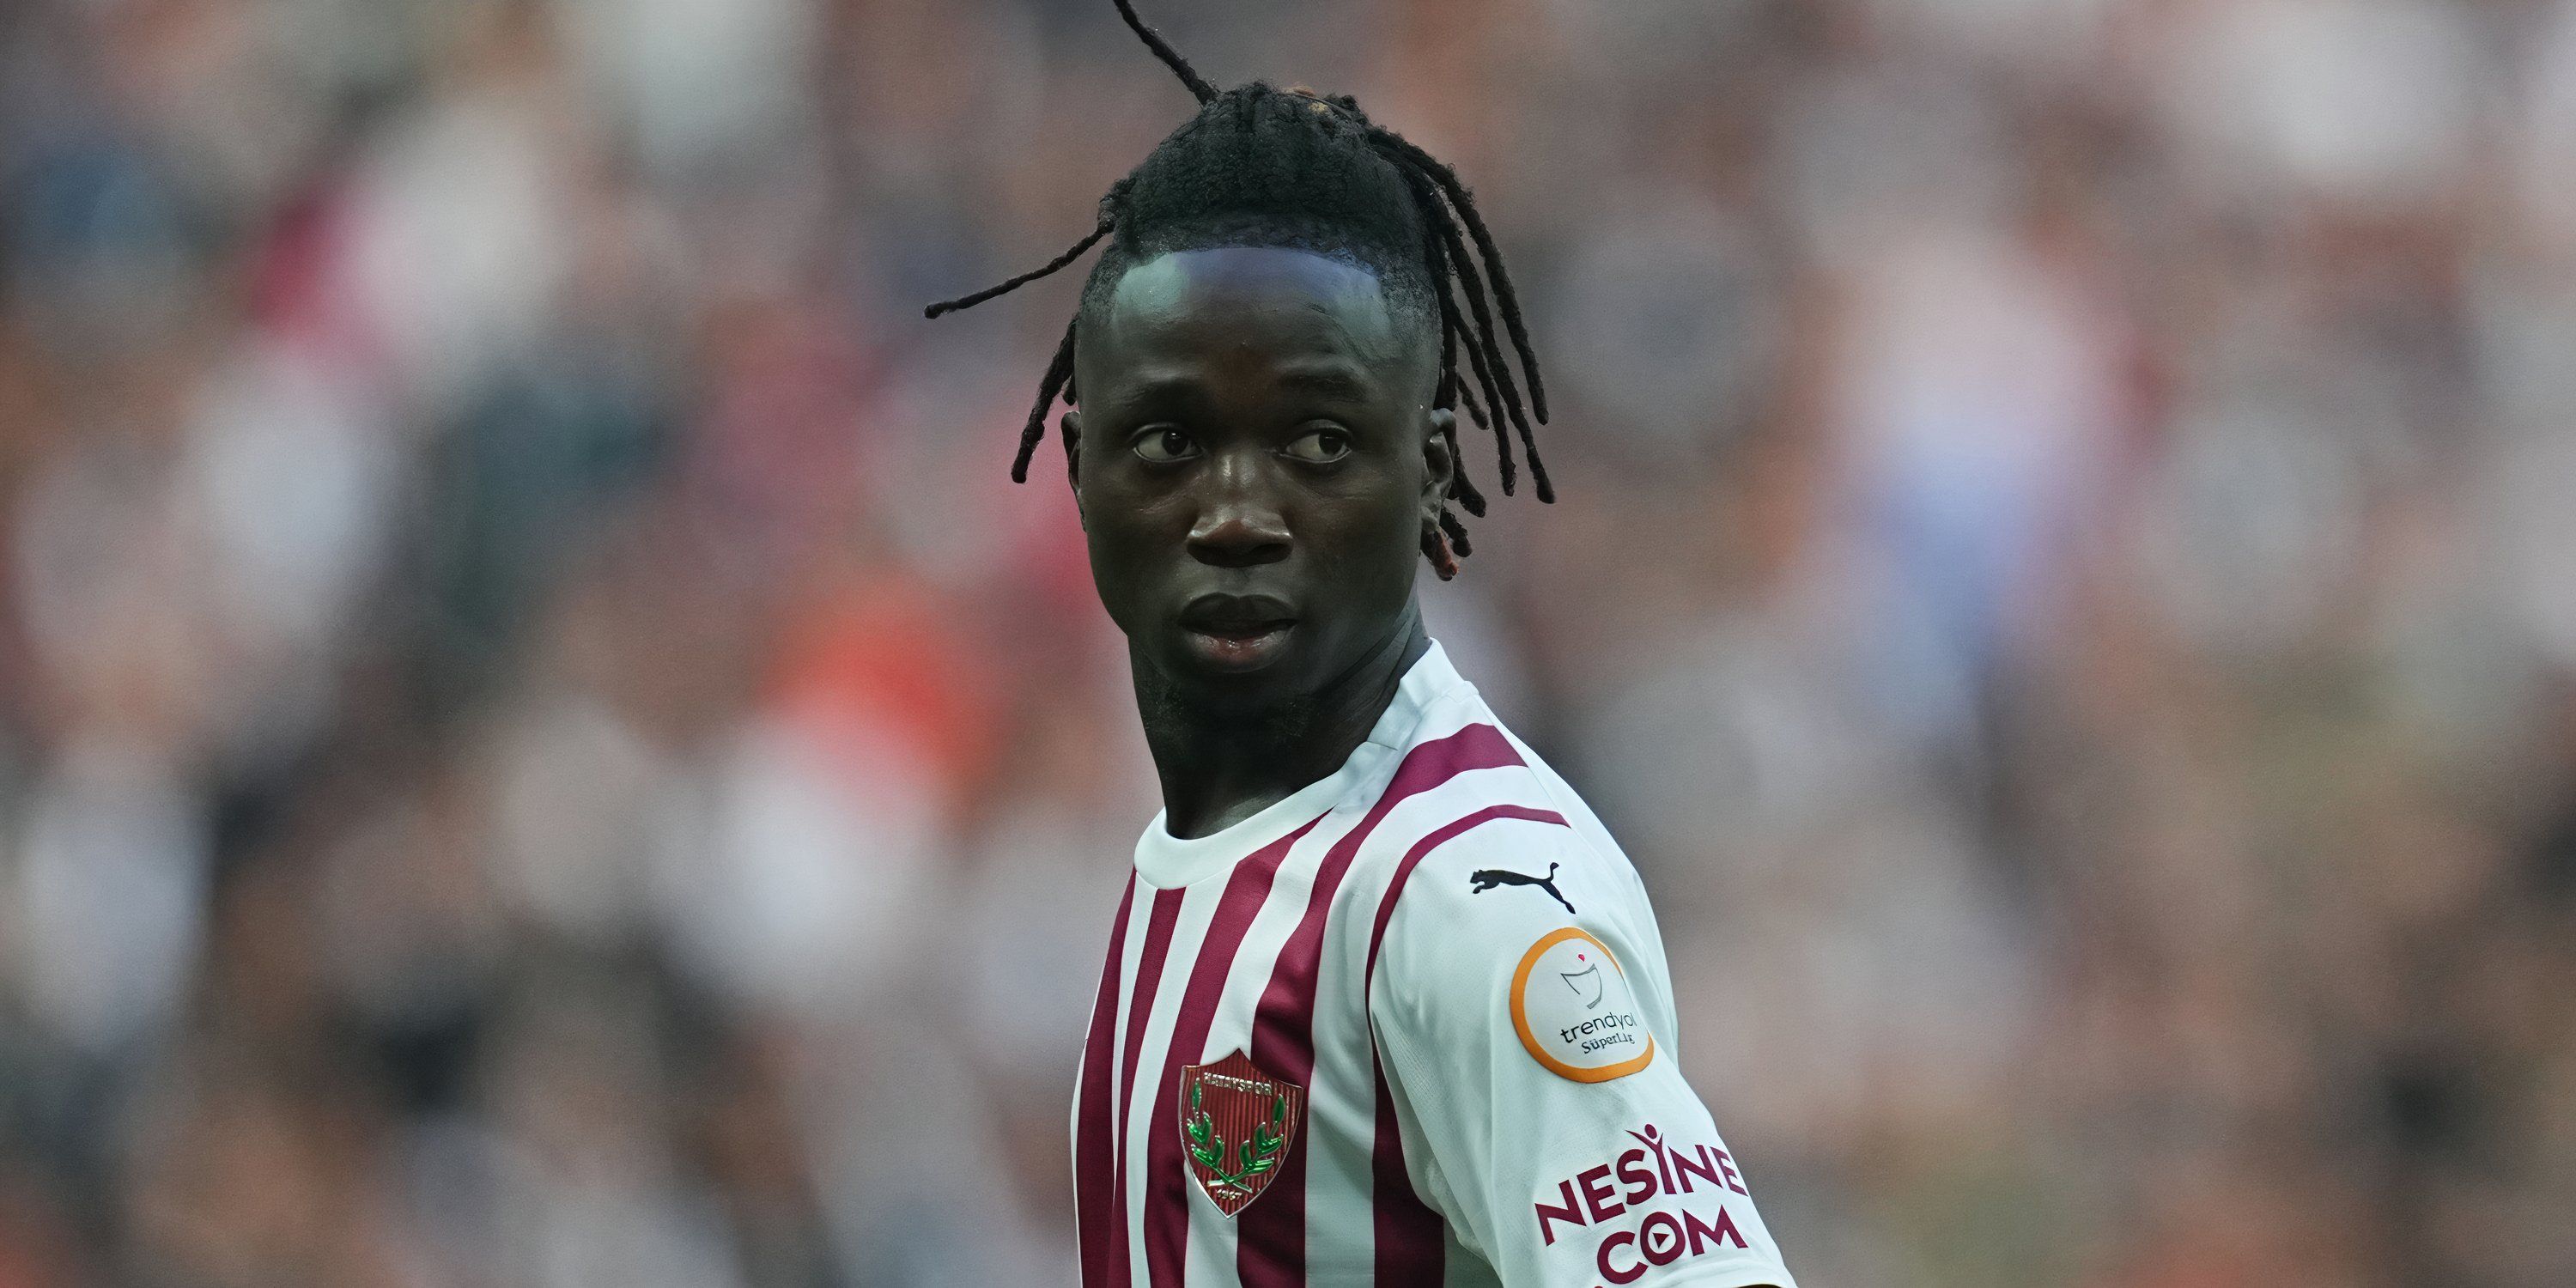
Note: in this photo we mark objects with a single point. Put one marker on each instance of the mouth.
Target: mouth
(1237, 632)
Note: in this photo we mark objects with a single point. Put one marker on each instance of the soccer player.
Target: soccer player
(1384, 1003)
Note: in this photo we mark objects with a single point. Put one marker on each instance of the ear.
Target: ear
(1439, 464)
(1071, 424)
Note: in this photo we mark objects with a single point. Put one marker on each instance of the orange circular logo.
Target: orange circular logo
(1574, 1010)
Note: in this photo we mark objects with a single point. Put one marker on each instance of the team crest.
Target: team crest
(1237, 1124)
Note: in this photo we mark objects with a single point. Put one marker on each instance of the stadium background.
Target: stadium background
(539, 747)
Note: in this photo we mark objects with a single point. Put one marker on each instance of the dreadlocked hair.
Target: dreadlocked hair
(1259, 166)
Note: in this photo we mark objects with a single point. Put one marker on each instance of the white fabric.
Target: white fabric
(1491, 1135)
(1492, 1138)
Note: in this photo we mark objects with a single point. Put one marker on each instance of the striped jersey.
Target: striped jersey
(1411, 1025)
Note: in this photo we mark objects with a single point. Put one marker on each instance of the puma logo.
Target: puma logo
(1491, 877)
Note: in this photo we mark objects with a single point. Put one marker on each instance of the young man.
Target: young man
(1384, 1004)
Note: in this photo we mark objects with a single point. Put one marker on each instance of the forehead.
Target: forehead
(1240, 307)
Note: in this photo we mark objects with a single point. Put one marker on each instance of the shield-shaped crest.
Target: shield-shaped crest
(1237, 1126)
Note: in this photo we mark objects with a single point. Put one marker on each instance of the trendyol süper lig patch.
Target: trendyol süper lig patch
(1575, 1012)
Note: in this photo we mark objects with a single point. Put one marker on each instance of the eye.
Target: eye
(1165, 444)
(1320, 446)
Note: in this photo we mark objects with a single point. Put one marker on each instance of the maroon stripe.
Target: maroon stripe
(1412, 857)
(1167, 1212)
(1408, 1231)
(1149, 976)
(1272, 1249)
(1095, 1222)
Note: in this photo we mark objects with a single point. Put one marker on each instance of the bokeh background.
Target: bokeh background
(538, 745)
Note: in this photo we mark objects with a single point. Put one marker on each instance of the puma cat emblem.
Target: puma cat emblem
(1491, 877)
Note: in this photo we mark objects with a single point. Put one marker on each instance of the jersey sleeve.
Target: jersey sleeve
(1523, 1021)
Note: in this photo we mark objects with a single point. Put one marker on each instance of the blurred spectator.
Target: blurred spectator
(538, 746)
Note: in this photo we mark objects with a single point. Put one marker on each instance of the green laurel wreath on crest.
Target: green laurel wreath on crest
(1252, 1157)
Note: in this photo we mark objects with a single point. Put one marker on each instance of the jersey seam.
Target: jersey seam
(1430, 1165)
(1404, 739)
(1549, 791)
(1369, 788)
(1368, 998)
(1396, 854)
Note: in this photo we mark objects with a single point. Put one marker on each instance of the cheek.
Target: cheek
(1375, 553)
(1133, 542)
(1113, 570)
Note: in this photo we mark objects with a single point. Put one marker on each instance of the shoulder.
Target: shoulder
(1517, 931)
(1471, 828)
(1506, 916)
(1471, 809)
(1479, 868)
(1505, 871)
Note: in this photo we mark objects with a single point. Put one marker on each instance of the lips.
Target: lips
(1223, 614)
(1237, 632)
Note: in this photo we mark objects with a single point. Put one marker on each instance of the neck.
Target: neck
(1221, 764)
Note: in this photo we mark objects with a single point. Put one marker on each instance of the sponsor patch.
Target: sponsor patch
(1575, 1012)
(1651, 1206)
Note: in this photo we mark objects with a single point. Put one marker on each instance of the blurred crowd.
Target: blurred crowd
(539, 745)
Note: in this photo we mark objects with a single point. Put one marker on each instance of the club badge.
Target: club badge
(1237, 1126)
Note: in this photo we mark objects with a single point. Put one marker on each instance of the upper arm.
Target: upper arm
(1542, 1112)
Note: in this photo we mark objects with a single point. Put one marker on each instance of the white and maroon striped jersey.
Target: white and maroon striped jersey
(1409, 1026)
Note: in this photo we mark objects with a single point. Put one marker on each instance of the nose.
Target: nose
(1240, 524)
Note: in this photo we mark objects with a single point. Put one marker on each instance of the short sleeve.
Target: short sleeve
(1522, 1016)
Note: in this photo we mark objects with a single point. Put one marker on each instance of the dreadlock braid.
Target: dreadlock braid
(1260, 166)
(1199, 86)
(1465, 202)
(1500, 393)
(1448, 391)
(1012, 284)
(1059, 378)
